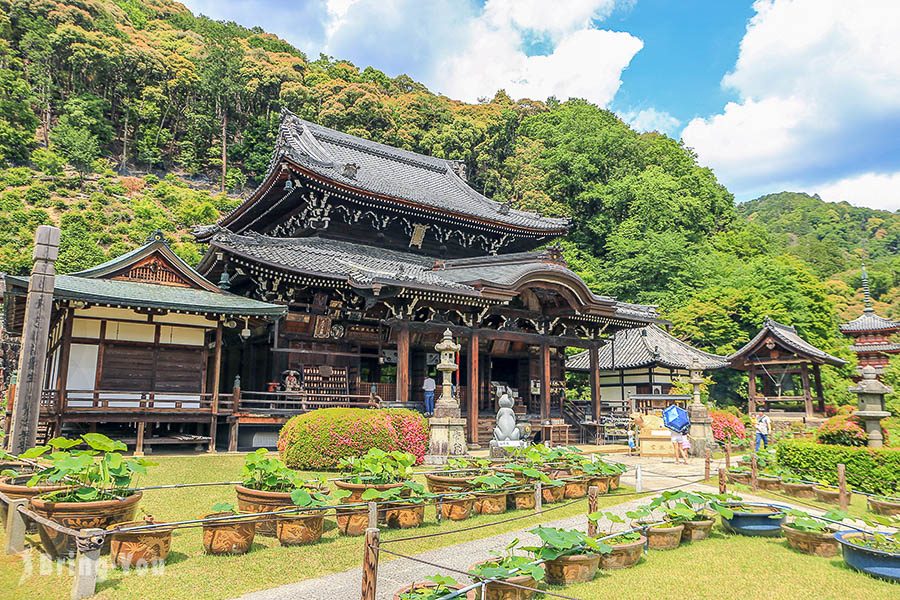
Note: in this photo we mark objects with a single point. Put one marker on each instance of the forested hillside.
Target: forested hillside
(121, 117)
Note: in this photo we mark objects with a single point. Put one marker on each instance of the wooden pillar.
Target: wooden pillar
(751, 389)
(817, 378)
(235, 418)
(35, 336)
(474, 390)
(216, 384)
(139, 443)
(65, 349)
(403, 363)
(807, 393)
(594, 375)
(545, 383)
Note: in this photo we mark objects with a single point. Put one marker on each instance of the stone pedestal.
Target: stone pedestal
(701, 429)
(504, 449)
(447, 440)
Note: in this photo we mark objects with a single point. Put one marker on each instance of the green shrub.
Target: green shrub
(38, 195)
(322, 438)
(15, 176)
(48, 161)
(868, 470)
(841, 430)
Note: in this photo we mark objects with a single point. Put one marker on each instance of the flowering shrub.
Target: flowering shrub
(726, 426)
(841, 430)
(322, 438)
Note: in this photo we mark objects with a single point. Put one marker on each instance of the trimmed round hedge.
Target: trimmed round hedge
(318, 440)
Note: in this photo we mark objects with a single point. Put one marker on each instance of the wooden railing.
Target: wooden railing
(84, 401)
(300, 402)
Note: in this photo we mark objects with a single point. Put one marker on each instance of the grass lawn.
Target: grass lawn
(191, 574)
(734, 567)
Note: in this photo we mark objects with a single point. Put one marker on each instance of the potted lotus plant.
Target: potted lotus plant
(504, 568)
(795, 486)
(490, 493)
(98, 486)
(224, 535)
(600, 474)
(267, 484)
(884, 505)
(434, 587)
(876, 553)
(140, 544)
(753, 519)
(831, 494)
(569, 555)
(694, 511)
(457, 475)
(811, 535)
(404, 505)
(300, 527)
(527, 475)
(376, 469)
(626, 547)
(662, 534)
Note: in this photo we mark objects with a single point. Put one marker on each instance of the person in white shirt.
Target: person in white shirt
(763, 426)
(428, 387)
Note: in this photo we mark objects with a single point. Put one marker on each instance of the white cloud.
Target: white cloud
(650, 119)
(875, 190)
(818, 83)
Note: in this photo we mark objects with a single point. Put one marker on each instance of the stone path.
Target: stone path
(393, 574)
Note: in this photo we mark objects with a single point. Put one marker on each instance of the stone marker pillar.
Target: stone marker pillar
(871, 393)
(35, 336)
(701, 423)
(448, 429)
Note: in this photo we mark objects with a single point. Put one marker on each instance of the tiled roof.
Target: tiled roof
(788, 336)
(886, 347)
(869, 321)
(645, 346)
(387, 171)
(135, 294)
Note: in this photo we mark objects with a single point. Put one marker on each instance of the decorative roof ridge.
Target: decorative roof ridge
(788, 336)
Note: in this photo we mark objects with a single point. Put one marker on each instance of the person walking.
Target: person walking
(428, 388)
(763, 427)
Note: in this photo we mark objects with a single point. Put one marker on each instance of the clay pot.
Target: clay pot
(257, 501)
(405, 516)
(810, 542)
(577, 568)
(140, 549)
(769, 483)
(439, 484)
(458, 509)
(614, 481)
(80, 515)
(228, 537)
(521, 500)
(355, 521)
(694, 531)
(15, 487)
(602, 483)
(496, 590)
(576, 489)
(299, 529)
(665, 538)
(880, 506)
(623, 555)
(428, 585)
(551, 494)
(738, 477)
(490, 504)
(831, 495)
(798, 490)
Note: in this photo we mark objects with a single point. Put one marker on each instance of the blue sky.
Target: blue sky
(773, 95)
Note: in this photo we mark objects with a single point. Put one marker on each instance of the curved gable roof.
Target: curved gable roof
(788, 337)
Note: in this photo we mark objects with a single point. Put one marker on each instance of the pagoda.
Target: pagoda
(871, 334)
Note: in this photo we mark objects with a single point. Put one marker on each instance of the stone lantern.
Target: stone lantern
(701, 424)
(447, 430)
(871, 393)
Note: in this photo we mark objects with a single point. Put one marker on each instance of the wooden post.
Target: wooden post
(545, 385)
(727, 454)
(86, 563)
(723, 485)
(234, 429)
(817, 379)
(751, 389)
(538, 496)
(216, 384)
(370, 564)
(15, 526)
(706, 466)
(807, 394)
(593, 491)
(473, 391)
(35, 336)
(753, 472)
(594, 376)
(843, 497)
(139, 443)
(403, 363)
(373, 515)
(638, 479)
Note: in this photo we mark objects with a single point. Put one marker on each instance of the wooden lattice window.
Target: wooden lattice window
(154, 270)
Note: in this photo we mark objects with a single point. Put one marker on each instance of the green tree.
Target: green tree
(77, 145)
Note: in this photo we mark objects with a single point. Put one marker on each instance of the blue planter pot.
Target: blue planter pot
(876, 563)
(759, 524)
